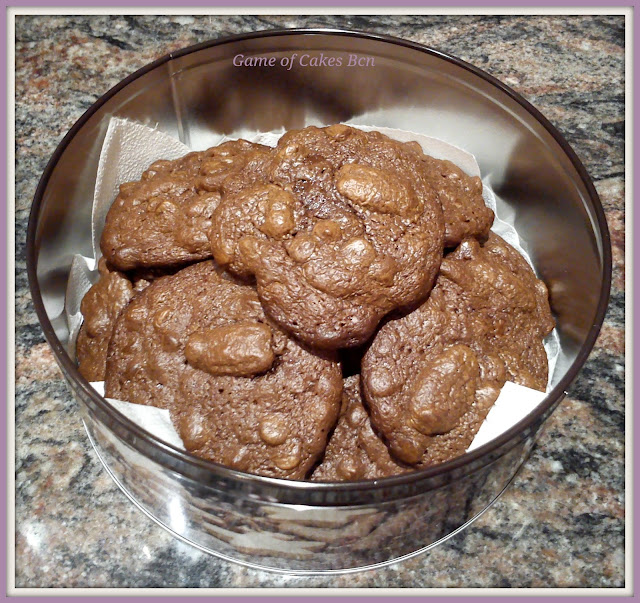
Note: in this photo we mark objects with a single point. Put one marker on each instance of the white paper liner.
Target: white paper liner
(128, 150)
(155, 420)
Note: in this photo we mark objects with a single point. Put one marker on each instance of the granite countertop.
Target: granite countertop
(560, 524)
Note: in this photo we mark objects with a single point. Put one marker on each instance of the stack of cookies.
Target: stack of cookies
(333, 308)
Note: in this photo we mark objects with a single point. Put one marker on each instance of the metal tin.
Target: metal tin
(194, 94)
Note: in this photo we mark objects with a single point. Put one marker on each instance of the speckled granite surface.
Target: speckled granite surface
(561, 524)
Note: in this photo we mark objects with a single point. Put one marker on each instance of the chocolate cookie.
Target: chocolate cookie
(164, 218)
(338, 226)
(465, 212)
(100, 308)
(354, 450)
(431, 376)
(240, 391)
